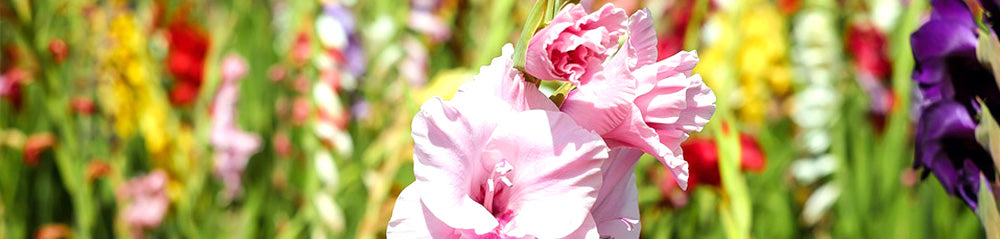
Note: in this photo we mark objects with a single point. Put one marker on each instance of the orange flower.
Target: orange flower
(35, 145)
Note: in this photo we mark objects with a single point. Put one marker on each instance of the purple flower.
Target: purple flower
(950, 79)
(339, 31)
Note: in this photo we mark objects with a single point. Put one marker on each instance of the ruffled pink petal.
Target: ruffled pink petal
(637, 134)
(555, 176)
(683, 62)
(410, 219)
(641, 46)
(601, 105)
(605, 102)
(616, 210)
(609, 17)
(538, 61)
(446, 141)
(700, 108)
(665, 102)
(607, 105)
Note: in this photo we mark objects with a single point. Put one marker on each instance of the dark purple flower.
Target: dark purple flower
(946, 145)
(950, 79)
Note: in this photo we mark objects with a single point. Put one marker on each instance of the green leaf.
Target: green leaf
(736, 208)
(988, 135)
(987, 210)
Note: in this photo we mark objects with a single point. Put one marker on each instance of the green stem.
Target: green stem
(533, 22)
(692, 32)
(560, 94)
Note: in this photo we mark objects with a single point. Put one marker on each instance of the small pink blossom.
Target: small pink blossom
(149, 202)
(424, 18)
(233, 67)
(428, 23)
(499, 161)
(573, 46)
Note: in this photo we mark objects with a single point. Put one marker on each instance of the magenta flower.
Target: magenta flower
(573, 46)
(499, 161)
(149, 202)
(637, 102)
(233, 146)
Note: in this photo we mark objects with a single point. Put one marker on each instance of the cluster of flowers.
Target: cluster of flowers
(501, 160)
(953, 57)
(817, 52)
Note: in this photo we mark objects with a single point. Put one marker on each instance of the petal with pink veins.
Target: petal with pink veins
(556, 172)
(446, 145)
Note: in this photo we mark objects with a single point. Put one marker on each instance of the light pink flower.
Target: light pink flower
(499, 161)
(148, 201)
(233, 67)
(233, 146)
(573, 46)
(637, 102)
(414, 66)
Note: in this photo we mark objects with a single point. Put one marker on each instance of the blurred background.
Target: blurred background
(290, 118)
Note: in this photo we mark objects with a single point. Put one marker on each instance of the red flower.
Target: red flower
(789, 7)
(302, 49)
(186, 61)
(702, 155)
(82, 105)
(10, 85)
(672, 40)
(58, 49)
(868, 45)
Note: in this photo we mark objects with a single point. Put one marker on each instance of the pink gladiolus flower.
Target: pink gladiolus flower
(499, 161)
(637, 102)
(149, 202)
(233, 146)
(573, 46)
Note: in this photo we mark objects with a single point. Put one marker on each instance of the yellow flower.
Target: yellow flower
(444, 85)
(133, 97)
(759, 74)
